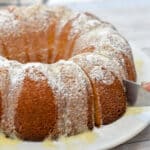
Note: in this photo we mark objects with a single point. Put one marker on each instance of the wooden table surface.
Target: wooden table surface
(132, 19)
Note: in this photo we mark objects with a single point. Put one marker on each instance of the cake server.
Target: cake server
(136, 94)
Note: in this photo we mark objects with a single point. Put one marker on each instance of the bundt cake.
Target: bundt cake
(42, 96)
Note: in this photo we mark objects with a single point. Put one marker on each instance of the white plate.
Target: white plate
(133, 122)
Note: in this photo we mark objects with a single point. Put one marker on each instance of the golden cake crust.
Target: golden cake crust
(75, 90)
(106, 78)
(0, 107)
(42, 96)
(36, 113)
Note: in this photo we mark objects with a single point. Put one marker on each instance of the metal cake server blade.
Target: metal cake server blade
(136, 95)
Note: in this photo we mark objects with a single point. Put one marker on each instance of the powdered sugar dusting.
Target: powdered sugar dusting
(19, 20)
(82, 24)
(31, 68)
(8, 23)
(67, 79)
(16, 76)
(72, 84)
(99, 37)
(94, 60)
(61, 76)
(64, 16)
(97, 73)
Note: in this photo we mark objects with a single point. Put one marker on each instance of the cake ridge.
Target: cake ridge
(58, 67)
